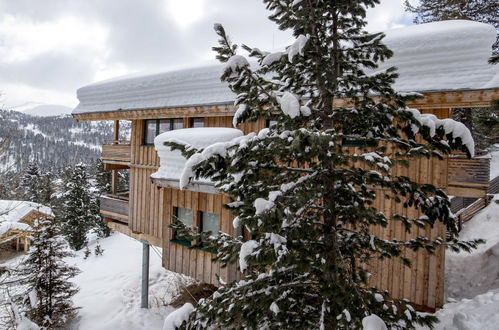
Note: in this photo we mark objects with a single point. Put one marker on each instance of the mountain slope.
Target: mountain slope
(48, 110)
(50, 141)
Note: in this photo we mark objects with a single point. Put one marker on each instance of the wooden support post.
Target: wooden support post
(116, 136)
(144, 302)
(26, 244)
(17, 243)
(114, 181)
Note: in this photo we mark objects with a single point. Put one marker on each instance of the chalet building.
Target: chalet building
(444, 61)
(17, 221)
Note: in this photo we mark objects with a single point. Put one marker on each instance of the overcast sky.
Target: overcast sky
(50, 48)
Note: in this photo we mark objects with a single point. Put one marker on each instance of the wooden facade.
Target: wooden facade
(17, 238)
(151, 205)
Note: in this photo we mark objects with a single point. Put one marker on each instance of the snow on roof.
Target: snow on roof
(438, 56)
(172, 162)
(14, 211)
(448, 55)
(11, 212)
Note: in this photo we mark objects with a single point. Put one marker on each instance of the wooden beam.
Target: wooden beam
(195, 111)
(113, 165)
(124, 229)
(466, 191)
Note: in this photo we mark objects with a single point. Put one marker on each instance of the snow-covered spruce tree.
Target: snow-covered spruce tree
(79, 211)
(30, 183)
(102, 178)
(36, 185)
(46, 277)
(307, 201)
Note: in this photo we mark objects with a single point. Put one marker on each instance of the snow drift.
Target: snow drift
(172, 163)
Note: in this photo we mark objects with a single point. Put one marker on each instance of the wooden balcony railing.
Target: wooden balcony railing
(468, 177)
(115, 206)
(116, 151)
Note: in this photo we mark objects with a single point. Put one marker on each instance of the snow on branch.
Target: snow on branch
(453, 129)
(234, 65)
(297, 48)
(177, 317)
(290, 105)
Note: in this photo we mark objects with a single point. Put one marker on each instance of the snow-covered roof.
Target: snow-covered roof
(438, 56)
(11, 212)
(14, 211)
(172, 162)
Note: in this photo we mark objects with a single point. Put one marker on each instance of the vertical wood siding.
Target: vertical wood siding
(194, 262)
(151, 209)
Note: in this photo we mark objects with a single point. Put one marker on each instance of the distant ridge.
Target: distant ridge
(48, 110)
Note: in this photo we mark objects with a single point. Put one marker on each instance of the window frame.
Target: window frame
(193, 119)
(175, 239)
(171, 122)
(269, 121)
(197, 223)
(201, 222)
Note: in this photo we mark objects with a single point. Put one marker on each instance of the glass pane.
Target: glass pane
(178, 123)
(150, 131)
(271, 123)
(210, 222)
(197, 122)
(164, 126)
(185, 215)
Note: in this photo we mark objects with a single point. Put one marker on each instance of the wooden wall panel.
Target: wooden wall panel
(253, 126)
(182, 259)
(145, 211)
(225, 121)
(151, 211)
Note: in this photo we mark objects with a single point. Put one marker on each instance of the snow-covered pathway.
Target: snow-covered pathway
(472, 280)
(110, 285)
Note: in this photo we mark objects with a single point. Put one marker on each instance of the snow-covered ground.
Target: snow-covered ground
(110, 286)
(494, 161)
(472, 280)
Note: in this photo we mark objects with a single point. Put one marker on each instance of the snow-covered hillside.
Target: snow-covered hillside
(51, 141)
(472, 280)
(110, 286)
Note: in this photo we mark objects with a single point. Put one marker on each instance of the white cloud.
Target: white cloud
(50, 48)
(15, 95)
(389, 14)
(24, 38)
(185, 12)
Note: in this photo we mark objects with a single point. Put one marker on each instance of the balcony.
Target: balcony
(116, 154)
(468, 177)
(115, 206)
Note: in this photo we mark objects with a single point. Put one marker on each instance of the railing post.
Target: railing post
(116, 131)
(114, 181)
(144, 302)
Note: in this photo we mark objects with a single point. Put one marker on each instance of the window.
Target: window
(196, 122)
(154, 127)
(350, 142)
(185, 216)
(210, 222)
(270, 122)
